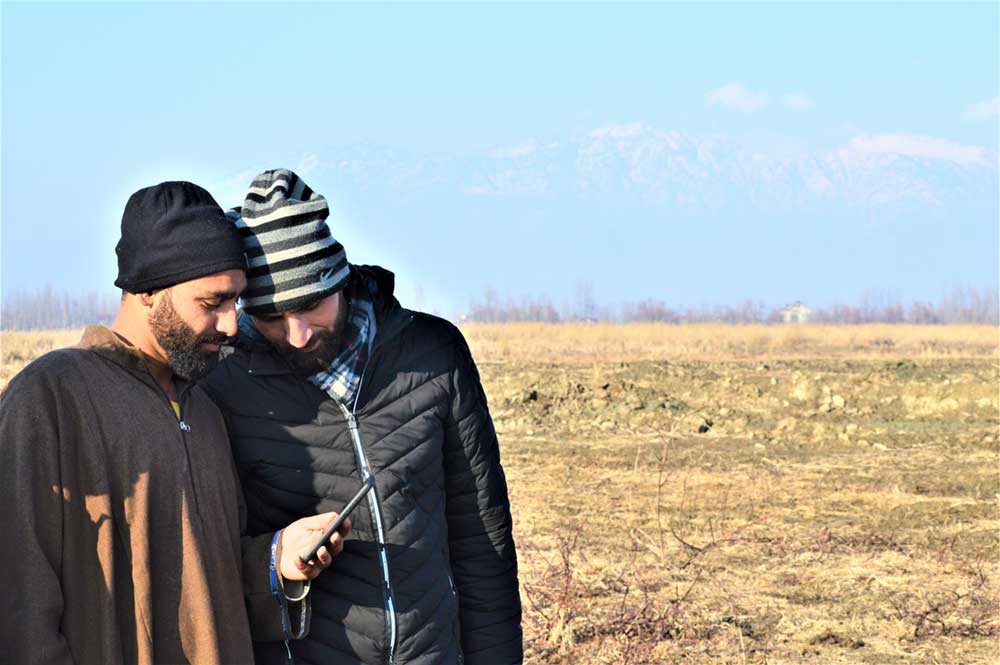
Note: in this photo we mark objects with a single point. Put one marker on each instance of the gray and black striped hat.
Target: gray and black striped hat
(292, 260)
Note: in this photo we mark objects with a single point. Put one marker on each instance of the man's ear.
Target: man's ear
(146, 299)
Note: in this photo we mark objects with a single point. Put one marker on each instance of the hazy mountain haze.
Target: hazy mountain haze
(645, 213)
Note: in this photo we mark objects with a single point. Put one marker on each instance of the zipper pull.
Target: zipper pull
(184, 426)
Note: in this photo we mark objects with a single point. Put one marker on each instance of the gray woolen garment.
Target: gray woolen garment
(426, 433)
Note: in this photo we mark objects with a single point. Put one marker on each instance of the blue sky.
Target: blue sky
(99, 100)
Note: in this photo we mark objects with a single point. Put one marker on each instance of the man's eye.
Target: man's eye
(211, 306)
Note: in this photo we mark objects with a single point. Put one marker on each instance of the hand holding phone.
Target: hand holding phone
(366, 487)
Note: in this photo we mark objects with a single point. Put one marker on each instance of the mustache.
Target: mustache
(217, 338)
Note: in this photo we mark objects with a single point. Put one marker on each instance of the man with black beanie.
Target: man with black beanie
(122, 517)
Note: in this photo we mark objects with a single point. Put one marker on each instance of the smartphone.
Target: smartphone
(335, 524)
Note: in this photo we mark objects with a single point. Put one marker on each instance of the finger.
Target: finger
(336, 544)
(345, 528)
(304, 565)
(311, 569)
(324, 558)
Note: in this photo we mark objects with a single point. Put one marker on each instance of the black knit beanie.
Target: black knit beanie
(171, 233)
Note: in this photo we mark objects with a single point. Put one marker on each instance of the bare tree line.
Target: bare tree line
(961, 305)
(50, 309)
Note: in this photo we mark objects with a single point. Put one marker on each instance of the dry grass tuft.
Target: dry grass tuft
(18, 348)
(603, 342)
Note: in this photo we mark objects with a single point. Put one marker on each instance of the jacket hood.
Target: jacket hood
(390, 317)
(384, 279)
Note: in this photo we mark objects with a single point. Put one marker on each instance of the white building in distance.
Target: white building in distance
(795, 313)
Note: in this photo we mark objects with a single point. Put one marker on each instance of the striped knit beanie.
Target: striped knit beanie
(292, 258)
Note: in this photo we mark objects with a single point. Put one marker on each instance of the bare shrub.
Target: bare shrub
(971, 610)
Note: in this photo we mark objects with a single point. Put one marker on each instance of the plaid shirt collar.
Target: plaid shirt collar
(342, 380)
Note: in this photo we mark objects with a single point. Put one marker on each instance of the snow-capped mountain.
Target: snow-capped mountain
(673, 169)
(644, 213)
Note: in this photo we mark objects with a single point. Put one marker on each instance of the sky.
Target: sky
(99, 100)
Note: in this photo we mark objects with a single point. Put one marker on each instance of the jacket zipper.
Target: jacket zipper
(376, 511)
(374, 507)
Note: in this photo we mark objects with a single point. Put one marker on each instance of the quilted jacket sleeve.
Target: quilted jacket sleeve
(483, 559)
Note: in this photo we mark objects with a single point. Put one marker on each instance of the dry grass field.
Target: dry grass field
(743, 494)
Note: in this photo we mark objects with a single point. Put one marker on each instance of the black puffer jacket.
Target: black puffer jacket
(439, 529)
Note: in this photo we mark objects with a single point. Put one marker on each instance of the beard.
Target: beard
(325, 345)
(181, 344)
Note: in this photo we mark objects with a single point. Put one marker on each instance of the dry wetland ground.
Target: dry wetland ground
(743, 494)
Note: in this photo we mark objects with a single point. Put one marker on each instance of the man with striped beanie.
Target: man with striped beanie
(296, 275)
(331, 382)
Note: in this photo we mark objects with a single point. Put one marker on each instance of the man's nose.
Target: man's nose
(227, 323)
(299, 332)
